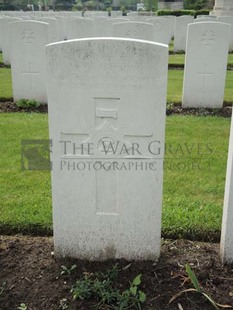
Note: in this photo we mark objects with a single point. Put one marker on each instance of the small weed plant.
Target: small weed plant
(27, 103)
(197, 289)
(102, 287)
(22, 307)
(67, 271)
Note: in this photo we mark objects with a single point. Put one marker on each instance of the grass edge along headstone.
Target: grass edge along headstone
(107, 201)
(226, 244)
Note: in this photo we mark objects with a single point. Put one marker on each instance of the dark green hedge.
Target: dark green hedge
(182, 12)
(8, 7)
(202, 12)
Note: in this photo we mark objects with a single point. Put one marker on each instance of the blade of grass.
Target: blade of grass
(193, 278)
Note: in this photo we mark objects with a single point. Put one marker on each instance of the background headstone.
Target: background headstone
(133, 30)
(180, 36)
(6, 39)
(28, 66)
(171, 22)
(52, 28)
(80, 28)
(162, 30)
(205, 65)
(228, 20)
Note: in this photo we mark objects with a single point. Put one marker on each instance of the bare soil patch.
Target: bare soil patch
(7, 106)
(33, 275)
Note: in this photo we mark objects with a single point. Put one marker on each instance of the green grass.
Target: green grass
(175, 84)
(171, 46)
(194, 184)
(178, 59)
(25, 195)
(5, 83)
(192, 199)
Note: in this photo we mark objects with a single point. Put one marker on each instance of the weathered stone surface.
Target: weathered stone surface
(102, 93)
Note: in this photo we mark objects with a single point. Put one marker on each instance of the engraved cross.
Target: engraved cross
(31, 74)
(204, 74)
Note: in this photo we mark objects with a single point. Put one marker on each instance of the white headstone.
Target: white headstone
(133, 30)
(205, 18)
(180, 36)
(80, 28)
(28, 67)
(162, 31)
(105, 92)
(62, 23)
(102, 28)
(171, 22)
(209, 17)
(6, 39)
(226, 245)
(1, 30)
(205, 65)
(52, 28)
(228, 20)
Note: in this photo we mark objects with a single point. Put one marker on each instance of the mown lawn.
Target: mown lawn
(5, 83)
(193, 182)
(175, 85)
(178, 59)
(174, 94)
(25, 195)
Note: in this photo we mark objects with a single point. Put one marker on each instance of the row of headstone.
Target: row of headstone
(164, 28)
(181, 26)
(204, 76)
(67, 28)
(63, 28)
(108, 139)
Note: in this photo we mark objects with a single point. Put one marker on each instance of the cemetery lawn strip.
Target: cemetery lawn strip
(174, 94)
(178, 59)
(33, 277)
(174, 90)
(194, 177)
(193, 183)
(25, 195)
(175, 84)
(6, 83)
